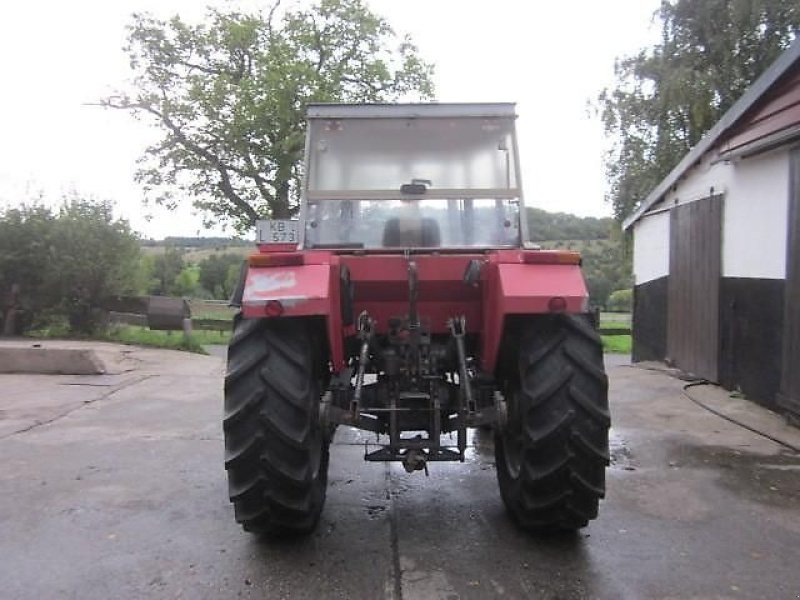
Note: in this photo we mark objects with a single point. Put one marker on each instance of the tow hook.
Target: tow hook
(415, 460)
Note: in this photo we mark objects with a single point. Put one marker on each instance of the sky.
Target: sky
(551, 58)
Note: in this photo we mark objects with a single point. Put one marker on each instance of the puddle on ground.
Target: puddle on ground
(620, 453)
(768, 479)
(480, 446)
(374, 511)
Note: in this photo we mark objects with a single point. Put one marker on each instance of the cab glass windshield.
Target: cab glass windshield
(429, 223)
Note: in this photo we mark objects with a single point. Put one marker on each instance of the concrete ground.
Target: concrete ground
(112, 486)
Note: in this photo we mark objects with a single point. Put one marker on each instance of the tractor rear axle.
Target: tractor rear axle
(421, 385)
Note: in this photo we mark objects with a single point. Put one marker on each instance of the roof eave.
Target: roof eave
(775, 71)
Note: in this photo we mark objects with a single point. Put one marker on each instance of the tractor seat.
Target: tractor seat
(411, 233)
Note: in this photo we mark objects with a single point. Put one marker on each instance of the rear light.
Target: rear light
(557, 304)
(548, 257)
(288, 259)
(273, 308)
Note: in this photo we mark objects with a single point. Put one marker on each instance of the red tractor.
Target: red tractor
(405, 302)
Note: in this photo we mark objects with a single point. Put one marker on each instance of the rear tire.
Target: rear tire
(552, 455)
(276, 453)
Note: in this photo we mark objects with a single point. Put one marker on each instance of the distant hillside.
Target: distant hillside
(197, 242)
(547, 226)
(195, 249)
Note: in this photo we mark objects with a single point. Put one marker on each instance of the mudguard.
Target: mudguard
(308, 289)
(287, 291)
(525, 289)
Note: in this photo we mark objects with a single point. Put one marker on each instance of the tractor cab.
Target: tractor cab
(389, 177)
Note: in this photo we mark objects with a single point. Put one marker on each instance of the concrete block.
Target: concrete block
(50, 361)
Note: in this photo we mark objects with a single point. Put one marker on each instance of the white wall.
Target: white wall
(755, 218)
(651, 248)
(697, 183)
(754, 234)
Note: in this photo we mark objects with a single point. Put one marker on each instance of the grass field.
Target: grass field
(142, 336)
(196, 256)
(172, 340)
(202, 309)
(617, 344)
(615, 325)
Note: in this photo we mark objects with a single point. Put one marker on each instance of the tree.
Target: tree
(68, 263)
(24, 248)
(187, 282)
(548, 226)
(668, 96)
(606, 264)
(230, 98)
(93, 256)
(215, 273)
(620, 301)
(166, 268)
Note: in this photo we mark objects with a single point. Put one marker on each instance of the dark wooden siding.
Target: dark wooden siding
(650, 320)
(790, 381)
(777, 111)
(693, 288)
(751, 336)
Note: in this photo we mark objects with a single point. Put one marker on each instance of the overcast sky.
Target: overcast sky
(551, 58)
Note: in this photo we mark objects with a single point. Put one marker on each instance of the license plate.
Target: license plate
(279, 231)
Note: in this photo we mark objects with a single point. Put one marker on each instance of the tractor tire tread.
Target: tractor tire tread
(276, 455)
(562, 396)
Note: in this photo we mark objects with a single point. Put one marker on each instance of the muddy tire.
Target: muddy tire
(551, 458)
(275, 452)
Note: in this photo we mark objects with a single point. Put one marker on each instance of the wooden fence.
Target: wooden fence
(161, 312)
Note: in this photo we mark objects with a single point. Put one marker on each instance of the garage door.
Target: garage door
(693, 288)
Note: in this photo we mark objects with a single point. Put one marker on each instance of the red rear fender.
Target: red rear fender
(298, 291)
(526, 289)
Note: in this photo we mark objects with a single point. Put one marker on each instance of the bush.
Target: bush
(620, 301)
(219, 274)
(67, 263)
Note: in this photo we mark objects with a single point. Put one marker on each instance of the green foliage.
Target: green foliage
(142, 278)
(24, 248)
(606, 261)
(666, 97)
(68, 262)
(617, 344)
(231, 280)
(187, 282)
(230, 96)
(620, 301)
(166, 267)
(197, 242)
(141, 336)
(547, 226)
(219, 274)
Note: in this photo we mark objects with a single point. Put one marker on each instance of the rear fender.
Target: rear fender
(298, 291)
(525, 289)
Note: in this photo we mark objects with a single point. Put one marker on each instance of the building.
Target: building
(717, 249)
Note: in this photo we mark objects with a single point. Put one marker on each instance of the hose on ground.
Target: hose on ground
(713, 411)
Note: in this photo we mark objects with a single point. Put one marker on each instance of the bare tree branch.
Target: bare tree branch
(225, 184)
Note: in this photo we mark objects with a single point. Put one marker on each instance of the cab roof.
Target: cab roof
(412, 111)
